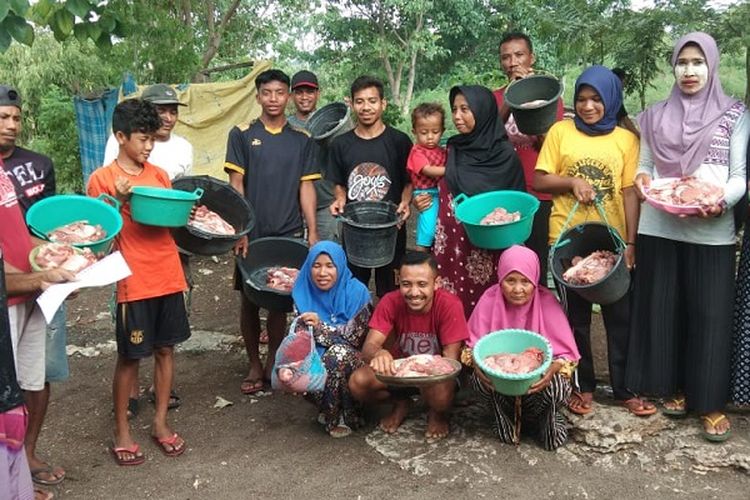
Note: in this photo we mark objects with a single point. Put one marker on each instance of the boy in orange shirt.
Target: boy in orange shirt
(151, 316)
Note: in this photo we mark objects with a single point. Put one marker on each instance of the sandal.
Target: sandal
(340, 431)
(680, 409)
(251, 386)
(40, 494)
(170, 441)
(713, 437)
(639, 407)
(138, 458)
(46, 468)
(174, 400)
(584, 404)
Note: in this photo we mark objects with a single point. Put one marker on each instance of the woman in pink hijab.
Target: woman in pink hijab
(681, 316)
(518, 302)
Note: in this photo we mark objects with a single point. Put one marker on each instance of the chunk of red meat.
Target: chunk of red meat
(511, 363)
(78, 232)
(210, 222)
(687, 191)
(423, 365)
(281, 278)
(59, 255)
(590, 269)
(500, 216)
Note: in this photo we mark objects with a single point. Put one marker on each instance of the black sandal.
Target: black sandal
(174, 399)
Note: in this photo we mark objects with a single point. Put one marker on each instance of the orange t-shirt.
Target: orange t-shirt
(150, 251)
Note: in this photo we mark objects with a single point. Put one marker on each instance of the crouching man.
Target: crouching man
(417, 318)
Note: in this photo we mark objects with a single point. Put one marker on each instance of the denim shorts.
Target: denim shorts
(56, 358)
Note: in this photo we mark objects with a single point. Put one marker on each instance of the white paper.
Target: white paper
(108, 270)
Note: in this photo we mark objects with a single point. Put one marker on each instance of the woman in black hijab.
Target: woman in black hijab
(480, 159)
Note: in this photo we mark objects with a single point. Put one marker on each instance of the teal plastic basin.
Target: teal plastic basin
(161, 206)
(470, 210)
(511, 341)
(50, 213)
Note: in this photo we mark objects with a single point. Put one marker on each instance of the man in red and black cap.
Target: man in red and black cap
(305, 94)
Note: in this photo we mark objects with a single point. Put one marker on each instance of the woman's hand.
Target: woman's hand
(630, 256)
(382, 363)
(310, 319)
(543, 382)
(707, 213)
(642, 183)
(582, 190)
(483, 379)
(422, 201)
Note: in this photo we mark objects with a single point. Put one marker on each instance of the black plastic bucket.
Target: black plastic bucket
(537, 119)
(583, 240)
(262, 254)
(329, 122)
(369, 231)
(225, 201)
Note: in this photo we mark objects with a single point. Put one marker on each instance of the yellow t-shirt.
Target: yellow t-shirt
(607, 162)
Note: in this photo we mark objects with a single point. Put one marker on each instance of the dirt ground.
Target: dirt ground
(269, 446)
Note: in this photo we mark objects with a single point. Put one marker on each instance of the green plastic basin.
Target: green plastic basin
(470, 210)
(50, 213)
(162, 207)
(511, 341)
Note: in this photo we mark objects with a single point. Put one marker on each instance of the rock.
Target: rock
(222, 403)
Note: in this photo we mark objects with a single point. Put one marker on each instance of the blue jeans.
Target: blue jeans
(56, 358)
(427, 220)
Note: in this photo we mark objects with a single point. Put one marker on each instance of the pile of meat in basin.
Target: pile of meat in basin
(688, 192)
(281, 278)
(516, 364)
(210, 222)
(78, 233)
(423, 365)
(59, 255)
(500, 216)
(590, 269)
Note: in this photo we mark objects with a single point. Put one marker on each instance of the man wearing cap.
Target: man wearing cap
(305, 94)
(33, 178)
(172, 153)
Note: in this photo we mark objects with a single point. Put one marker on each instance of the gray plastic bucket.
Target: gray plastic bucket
(535, 120)
(329, 122)
(369, 232)
(583, 240)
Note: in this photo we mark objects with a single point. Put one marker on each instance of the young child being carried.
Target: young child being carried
(151, 317)
(426, 165)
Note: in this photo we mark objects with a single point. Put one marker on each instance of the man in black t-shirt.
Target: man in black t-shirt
(273, 166)
(369, 163)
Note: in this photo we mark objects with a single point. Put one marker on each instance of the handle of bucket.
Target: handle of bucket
(109, 199)
(198, 193)
(564, 227)
(457, 200)
(39, 234)
(619, 242)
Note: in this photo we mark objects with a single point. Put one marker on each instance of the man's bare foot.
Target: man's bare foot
(438, 425)
(40, 494)
(390, 423)
(44, 474)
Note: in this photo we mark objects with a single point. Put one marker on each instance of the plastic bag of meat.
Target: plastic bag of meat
(500, 216)
(684, 195)
(281, 278)
(423, 365)
(59, 255)
(516, 364)
(590, 269)
(78, 232)
(210, 222)
(298, 367)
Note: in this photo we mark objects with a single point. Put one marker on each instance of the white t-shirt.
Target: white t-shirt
(175, 156)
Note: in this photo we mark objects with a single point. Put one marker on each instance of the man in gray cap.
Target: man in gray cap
(172, 153)
(33, 178)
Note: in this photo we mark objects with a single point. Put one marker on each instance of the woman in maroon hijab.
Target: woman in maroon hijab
(680, 341)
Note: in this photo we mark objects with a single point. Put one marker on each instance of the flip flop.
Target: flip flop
(45, 482)
(174, 400)
(675, 412)
(580, 409)
(715, 438)
(340, 431)
(170, 441)
(136, 460)
(632, 407)
(43, 494)
(251, 386)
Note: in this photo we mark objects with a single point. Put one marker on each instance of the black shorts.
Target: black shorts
(144, 325)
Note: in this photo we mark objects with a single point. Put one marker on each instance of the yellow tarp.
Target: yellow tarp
(211, 112)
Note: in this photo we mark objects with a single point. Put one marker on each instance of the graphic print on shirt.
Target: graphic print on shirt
(596, 173)
(8, 196)
(368, 182)
(25, 175)
(418, 343)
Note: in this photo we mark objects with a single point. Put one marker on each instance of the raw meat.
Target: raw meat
(589, 270)
(688, 191)
(533, 104)
(77, 233)
(60, 255)
(210, 222)
(500, 216)
(423, 365)
(518, 364)
(281, 278)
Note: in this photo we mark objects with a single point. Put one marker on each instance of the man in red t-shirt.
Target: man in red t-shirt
(415, 319)
(517, 60)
